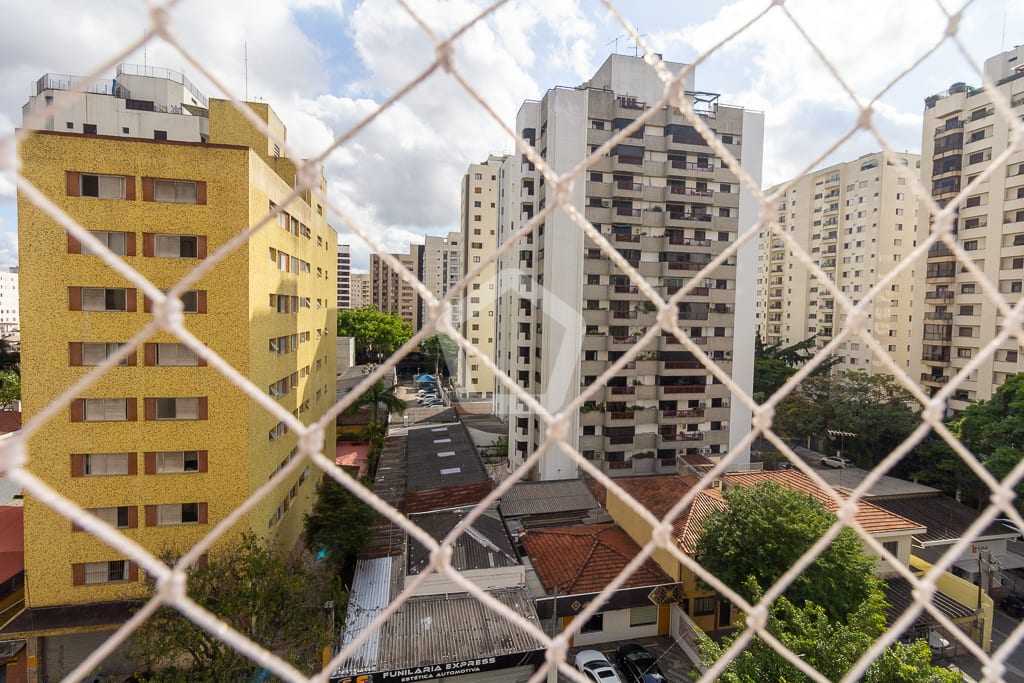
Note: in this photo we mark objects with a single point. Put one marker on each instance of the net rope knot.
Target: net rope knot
(172, 587)
(170, 312)
(847, 512)
(757, 617)
(763, 417)
(445, 54)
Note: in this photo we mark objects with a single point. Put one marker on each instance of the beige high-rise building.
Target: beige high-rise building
(669, 205)
(857, 220)
(362, 290)
(442, 267)
(954, 320)
(479, 221)
(390, 293)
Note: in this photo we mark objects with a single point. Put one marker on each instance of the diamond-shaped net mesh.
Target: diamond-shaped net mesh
(170, 583)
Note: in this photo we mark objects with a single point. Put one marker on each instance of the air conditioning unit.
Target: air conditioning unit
(606, 204)
(705, 451)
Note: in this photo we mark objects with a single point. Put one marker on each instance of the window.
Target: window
(967, 288)
(159, 135)
(176, 513)
(643, 616)
(965, 332)
(279, 430)
(176, 191)
(105, 409)
(103, 299)
(1011, 356)
(101, 186)
(115, 571)
(967, 310)
(117, 517)
(94, 353)
(173, 246)
(594, 625)
(176, 462)
(193, 301)
(892, 547)
(173, 409)
(703, 606)
(963, 353)
(102, 464)
(117, 242)
(171, 354)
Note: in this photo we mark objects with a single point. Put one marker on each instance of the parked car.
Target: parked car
(1013, 605)
(836, 462)
(595, 666)
(637, 664)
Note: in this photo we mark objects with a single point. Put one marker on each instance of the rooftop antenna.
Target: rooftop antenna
(616, 41)
(636, 43)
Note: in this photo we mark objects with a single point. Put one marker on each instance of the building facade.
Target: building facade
(344, 276)
(9, 315)
(857, 220)
(390, 293)
(442, 267)
(361, 289)
(163, 446)
(565, 311)
(479, 225)
(954, 320)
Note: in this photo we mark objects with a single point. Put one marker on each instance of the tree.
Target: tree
(880, 411)
(994, 430)
(442, 353)
(340, 525)
(829, 646)
(10, 388)
(765, 529)
(377, 334)
(377, 395)
(274, 601)
(776, 363)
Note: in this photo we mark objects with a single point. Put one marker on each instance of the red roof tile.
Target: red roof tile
(874, 519)
(582, 559)
(353, 456)
(10, 421)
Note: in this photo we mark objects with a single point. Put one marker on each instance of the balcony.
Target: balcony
(622, 391)
(683, 365)
(688, 241)
(692, 412)
(941, 295)
(623, 237)
(683, 436)
(938, 316)
(624, 315)
(934, 380)
(628, 186)
(685, 389)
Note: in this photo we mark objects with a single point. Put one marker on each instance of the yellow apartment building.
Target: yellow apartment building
(163, 446)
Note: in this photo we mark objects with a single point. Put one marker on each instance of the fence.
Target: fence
(171, 582)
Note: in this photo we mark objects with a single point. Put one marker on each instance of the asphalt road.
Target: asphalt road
(1002, 626)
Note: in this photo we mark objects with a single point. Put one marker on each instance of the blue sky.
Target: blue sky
(326, 64)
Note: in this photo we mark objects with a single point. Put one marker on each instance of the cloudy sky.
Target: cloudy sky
(326, 64)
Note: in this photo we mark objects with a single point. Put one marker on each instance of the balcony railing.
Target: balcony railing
(622, 237)
(685, 389)
(683, 364)
(624, 314)
(627, 211)
(622, 390)
(682, 216)
(620, 439)
(692, 412)
(688, 241)
(628, 185)
(692, 166)
(625, 289)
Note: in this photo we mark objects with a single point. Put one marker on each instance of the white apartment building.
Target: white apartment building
(9, 317)
(953, 319)
(361, 290)
(344, 276)
(442, 267)
(565, 311)
(857, 220)
(479, 221)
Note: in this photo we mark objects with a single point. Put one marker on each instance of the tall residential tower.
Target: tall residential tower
(669, 204)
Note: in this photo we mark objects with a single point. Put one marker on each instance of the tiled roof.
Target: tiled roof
(947, 520)
(874, 519)
(577, 560)
(10, 421)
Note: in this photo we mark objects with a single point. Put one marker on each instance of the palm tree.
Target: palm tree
(377, 395)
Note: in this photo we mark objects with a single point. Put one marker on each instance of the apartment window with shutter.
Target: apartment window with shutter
(177, 409)
(176, 462)
(117, 517)
(115, 571)
(94, 353)
(104, 464)
(175, 246)
(104, 299)
(105, 409)
(176, 191)
(174, 355)
(177, 513)
(101, 186)
(116, 242)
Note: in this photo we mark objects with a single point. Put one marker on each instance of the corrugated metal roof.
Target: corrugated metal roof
(427, 469)
(945, 519)
(547, 497)
(484, 545)
(447, 628)
(370, 595)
